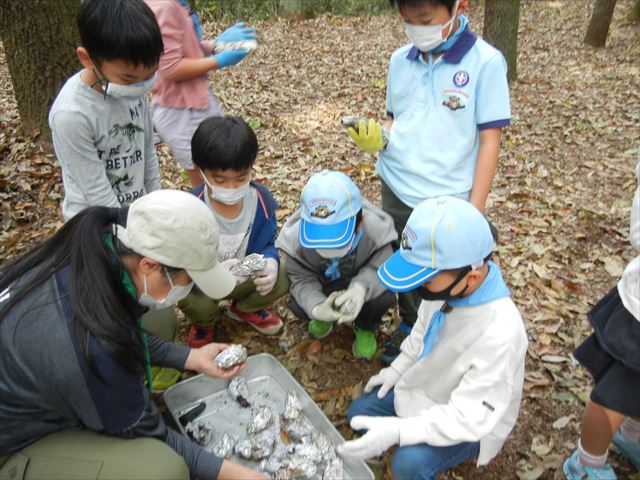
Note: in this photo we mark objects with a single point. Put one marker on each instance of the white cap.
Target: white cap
(178, 230)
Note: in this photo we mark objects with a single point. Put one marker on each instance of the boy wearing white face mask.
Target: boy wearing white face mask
(224, 149)
(447, 102)
(334, 244)
(100, 123)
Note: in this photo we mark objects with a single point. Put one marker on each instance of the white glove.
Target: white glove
(350, 302)
(266, 278)
(382, 433)
(387, 378)
(324, 311)
(229, 264)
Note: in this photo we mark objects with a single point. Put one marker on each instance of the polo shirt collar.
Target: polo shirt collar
(455, 54)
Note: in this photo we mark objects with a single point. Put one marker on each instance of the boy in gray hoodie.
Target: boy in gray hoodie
(334, 244)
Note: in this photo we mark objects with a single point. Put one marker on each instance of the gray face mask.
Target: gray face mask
(133, 90)
(177, 293)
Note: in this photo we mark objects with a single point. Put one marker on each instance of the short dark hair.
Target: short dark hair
(124, 30)
(416, 3)
(224, 143)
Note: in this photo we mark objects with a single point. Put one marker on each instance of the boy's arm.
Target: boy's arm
(74, 144)
(486, 166)
(305, 285)
(151, 168)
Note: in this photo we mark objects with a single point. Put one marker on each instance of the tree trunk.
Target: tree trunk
(634, 14)
(501, 18)
(40, 38)
(599, 24)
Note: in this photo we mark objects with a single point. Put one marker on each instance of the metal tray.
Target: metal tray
(268, 382)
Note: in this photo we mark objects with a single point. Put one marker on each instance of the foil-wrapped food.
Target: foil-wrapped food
(309, 450)
(231, 356)
(199, 433)
(254, 448)
(334, 470)
(292, 406)
(219, 46)
(224, 447)
(299, 430)
(261, 418)
(249, 265)
(239, 391)
(325, 446)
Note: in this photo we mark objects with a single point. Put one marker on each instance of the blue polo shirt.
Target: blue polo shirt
(439, 109)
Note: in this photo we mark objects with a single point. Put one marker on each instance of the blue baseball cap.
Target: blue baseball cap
(330, 202)
(443, 233)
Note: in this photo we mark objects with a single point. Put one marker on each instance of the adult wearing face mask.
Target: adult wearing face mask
(74, 358)
(334, 244)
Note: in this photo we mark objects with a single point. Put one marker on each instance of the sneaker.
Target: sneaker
(365, 345)
(319, 329)
(200, 335)
(574, 471)
(263, 321)
(627, 448)
(392, 345)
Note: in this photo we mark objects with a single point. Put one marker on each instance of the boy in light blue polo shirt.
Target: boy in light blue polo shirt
(447, 102)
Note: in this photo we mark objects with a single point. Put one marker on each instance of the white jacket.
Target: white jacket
(629, 284)
(469, 387)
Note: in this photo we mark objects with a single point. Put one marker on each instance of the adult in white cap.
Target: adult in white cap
(453, 393)
(74, 357)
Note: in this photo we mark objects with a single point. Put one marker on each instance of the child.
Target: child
(182, 97)
(100, 123)
(612, 356)
(453, 393)
(224, 150)
(447, 102)
(334, 244)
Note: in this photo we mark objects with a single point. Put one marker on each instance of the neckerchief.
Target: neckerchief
(333, 270)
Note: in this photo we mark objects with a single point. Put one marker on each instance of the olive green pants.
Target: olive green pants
(86, 455)
(200, 309)
(162, 323)
(408, 302)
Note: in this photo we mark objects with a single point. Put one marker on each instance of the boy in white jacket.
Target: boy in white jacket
(454, 391)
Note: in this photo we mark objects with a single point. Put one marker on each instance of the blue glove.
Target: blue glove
(237, 33)
(229, 58)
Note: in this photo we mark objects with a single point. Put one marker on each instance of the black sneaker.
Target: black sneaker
(392, 345)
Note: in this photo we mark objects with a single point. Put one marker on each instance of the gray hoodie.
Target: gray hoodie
(306, 268)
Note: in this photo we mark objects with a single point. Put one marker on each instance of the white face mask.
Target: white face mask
(133, 90)
(228, 196)
(177, 293)
(335, 253)
(428, 37)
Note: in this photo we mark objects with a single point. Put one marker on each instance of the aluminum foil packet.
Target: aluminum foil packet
(263, 444)
(271, 465)
(325, 446)
(243, 448)
(302, 467)
(199, 433)
(224, 447)
(239, 391)
(219, 46)
(249, 265)
(231, 356)
(334, 471)
(299, 430)
(310, 451)
(261, 418)
(292, 406)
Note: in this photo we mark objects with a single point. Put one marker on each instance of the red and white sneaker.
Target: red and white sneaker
(200, 335)
(264, 321)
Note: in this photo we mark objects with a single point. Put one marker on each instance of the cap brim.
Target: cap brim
(215, 283)
(339, 235)
(399, 275)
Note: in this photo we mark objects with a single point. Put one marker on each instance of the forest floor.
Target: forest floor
(561, 198)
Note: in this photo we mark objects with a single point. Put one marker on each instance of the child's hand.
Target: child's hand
(368, 137)
(201, 360)
(350, 302)
(386, 378)
(266, 278)
(237, 33)
(324, 311)
(229, 58)
(382, 433)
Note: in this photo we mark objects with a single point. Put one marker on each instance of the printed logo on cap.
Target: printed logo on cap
(322, 211)
(406, 235)
(461, 78)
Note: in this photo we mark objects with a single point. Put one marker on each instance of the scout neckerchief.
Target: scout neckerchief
(333, 270)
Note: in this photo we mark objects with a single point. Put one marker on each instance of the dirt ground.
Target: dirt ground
(560, 200)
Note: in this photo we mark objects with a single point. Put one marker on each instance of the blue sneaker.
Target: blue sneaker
(628, 449)
(392, 345)
(574, 471)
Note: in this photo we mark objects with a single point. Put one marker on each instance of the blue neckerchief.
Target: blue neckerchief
(333, 271)
(464, 21)
(492, 288)
(194, 18)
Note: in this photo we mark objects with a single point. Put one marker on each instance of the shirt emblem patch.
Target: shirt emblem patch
(461, 78)
(453, 103)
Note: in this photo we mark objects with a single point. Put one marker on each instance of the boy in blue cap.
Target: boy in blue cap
(334, 244)
(453, 393)
(447, 103)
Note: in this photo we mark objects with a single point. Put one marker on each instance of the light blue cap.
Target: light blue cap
(443, 233)
(330, 202)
